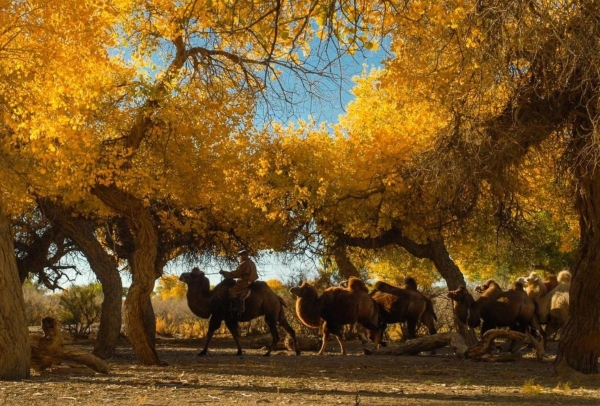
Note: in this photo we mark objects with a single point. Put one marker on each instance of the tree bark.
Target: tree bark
(579, 347)
(82, 233)
(345, 266)
(14, 342)
(142, 263)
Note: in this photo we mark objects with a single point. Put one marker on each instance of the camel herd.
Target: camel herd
(530, 303)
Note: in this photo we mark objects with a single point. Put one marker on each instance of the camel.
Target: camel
(496, 308)
(410, 283)
(551, 282)
(490, 289)
(214, 304)
(399, 305)
(337, 307)
(553, 308)
(535, 286)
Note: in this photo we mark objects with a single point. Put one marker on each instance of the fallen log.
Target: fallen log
(479, 351)
(426, 343)
(49, 350)
(487, 342)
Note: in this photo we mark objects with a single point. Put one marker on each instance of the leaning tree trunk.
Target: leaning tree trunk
(344, 264)
(82, 233)
(142, 263)
(434, 250)
(14, 341)
(454, 278)
(579, 347)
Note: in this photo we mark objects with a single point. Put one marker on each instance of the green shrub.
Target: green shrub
(80, 307)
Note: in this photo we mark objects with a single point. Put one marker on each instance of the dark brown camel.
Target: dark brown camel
(496, 308)
(337, 307)
(214, 304)
(399, 305)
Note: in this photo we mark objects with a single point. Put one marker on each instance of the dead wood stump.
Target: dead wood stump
(49, 350)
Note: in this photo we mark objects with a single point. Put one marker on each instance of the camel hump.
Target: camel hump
(356, 285)
(260, 285)
(387, 288)
(410, 283)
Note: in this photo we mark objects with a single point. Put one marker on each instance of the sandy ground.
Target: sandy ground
(283, 378)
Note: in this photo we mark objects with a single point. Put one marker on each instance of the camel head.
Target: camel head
(564, 277)
(196, 278)
(518, 285)
(460, 295)
(533, 278)
(306, 291)
(522, 280)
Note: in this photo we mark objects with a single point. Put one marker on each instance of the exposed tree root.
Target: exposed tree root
(482, 348)
(49, 350)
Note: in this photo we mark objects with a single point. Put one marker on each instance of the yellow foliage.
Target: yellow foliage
(275, 284)
(170, 287)
(168, 326)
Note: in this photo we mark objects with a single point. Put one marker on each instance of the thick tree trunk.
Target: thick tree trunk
(579, 348)
(142, 263)
(345, 266)
(82, 233)
(14, 341)
(439, 255)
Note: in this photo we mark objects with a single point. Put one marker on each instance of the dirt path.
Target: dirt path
(222, 378)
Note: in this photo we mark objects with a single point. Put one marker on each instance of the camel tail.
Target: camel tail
(281, 301)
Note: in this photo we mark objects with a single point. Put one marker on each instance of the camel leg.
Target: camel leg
(336, 330)
(213, 326)
(286, 326)
(411, 328)
(324, 339)
(341, 340)
(232, 326)
(274, 333)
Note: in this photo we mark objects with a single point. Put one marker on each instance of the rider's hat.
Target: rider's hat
(243, 251)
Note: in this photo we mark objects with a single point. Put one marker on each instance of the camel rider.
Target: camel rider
(245, 274)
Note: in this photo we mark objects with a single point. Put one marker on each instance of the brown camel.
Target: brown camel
(496, 308)
(399, 305)
(214, 304)
(337, 307)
